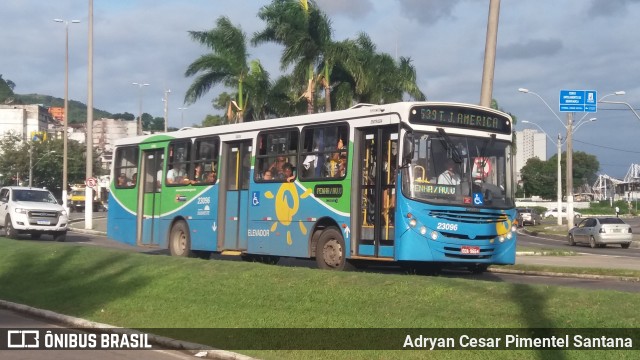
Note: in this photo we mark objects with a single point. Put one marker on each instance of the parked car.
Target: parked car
(554, 213)
(528, 216)
(600, 232)
(32, 211)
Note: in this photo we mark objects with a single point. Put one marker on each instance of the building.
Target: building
(26, 120)
(106, 131)
(57, 113)
(530, 143)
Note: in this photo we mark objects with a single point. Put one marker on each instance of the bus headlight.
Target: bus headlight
(434, 235)
(501, 238)
(509, 235)
(423, 230)
(413, 222)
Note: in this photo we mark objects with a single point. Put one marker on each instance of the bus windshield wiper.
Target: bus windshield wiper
(446, 141)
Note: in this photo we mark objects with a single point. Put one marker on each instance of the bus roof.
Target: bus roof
(355, 112)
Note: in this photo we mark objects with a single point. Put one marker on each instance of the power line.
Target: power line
(607, 147)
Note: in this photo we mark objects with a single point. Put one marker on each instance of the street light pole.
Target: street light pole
(31, 165)
(65, 181)
(88, 192)
(140, 85)
(166, 108)
(559, 191)
(569, 128)
(182, 109)
(622, 103)
(559, 187)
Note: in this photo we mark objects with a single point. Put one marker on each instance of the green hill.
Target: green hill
(77, 110)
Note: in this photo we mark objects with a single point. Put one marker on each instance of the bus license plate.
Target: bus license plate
(44, 222)
(470, 250)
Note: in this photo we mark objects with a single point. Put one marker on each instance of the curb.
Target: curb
(84, 231)
(193, 348)
(565, 275)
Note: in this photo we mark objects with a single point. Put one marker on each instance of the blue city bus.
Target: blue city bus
(426, 183)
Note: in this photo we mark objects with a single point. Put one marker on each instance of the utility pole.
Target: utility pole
(569, 170)
(490, 54)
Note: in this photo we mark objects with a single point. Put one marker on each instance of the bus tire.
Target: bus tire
(180, 240)
(330, 251)
(478, 268)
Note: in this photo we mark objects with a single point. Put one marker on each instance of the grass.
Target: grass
(145, 291)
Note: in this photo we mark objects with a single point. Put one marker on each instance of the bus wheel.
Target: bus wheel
(179, 240)
(330, 251)
(478, 268)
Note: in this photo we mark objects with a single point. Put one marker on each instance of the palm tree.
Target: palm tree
(376, 77)
(305, 33)
(227, 64)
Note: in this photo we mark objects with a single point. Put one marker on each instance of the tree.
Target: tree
(46, 162)
(376, 77)
(305, 32)
(539, 178)
(226, 64)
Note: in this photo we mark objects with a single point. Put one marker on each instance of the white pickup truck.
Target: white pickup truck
(33, 211)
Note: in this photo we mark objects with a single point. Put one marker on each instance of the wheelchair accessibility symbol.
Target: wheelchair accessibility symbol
(255, 198)
(478, 199)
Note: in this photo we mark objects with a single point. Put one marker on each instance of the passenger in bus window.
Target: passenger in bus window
(277, 165)
(342, 165)
(267, 175)
(134, 179)
(122, 180)
(198, 176)
(211, 177)
(287, 173)
(176, 174)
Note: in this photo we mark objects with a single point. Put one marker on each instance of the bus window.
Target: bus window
(205, 164)
(179, 164)
(324, 152)
(276, 157)
(126, 167)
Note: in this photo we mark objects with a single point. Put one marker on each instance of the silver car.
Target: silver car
(600, 232)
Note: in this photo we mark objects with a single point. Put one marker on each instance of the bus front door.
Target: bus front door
(234, 198)
(378, 164)
(149, 195)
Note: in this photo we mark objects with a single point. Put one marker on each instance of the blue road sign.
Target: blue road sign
(578, 101)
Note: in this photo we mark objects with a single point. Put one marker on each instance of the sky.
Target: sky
(543, 45)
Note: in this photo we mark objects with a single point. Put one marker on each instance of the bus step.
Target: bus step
(231, 252)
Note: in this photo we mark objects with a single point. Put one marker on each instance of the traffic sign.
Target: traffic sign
(91, 182)
(578, 101)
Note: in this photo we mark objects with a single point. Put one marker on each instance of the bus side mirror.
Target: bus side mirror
(407, 149)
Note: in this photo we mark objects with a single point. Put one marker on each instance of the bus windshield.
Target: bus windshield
(458, 170)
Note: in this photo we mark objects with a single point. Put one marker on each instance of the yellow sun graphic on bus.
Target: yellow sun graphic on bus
(287, 203)
(503, 228)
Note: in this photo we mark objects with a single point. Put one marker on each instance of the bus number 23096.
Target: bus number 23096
(447, 226)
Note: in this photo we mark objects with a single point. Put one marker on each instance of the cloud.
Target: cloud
(608, 8)
(531, 49)
(355, 9)
(428, 11)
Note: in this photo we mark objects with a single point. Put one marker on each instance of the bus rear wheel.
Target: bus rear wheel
(180, 240)
(330, 251)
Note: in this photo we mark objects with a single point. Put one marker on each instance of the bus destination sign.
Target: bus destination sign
(465, 118)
